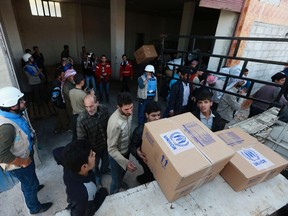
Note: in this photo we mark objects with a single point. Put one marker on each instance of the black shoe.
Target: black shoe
(40, 187)
(144, 178)
(44, 207)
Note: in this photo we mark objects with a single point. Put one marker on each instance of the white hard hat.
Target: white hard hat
(9, 96)
(26, 57)
(150, 68)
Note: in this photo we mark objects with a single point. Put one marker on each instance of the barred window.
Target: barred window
(45, 8)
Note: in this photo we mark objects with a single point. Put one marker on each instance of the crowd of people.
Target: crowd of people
(102, 142)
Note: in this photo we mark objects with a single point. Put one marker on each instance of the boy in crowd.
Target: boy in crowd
(152, 113)
(79, 160)
(204, 113)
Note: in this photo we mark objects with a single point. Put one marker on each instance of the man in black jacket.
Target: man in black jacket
(78, 160)
(204, 113)
(152, 113)
(179, 94)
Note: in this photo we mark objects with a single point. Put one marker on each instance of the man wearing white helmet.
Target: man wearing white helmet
(34, 76)
(147, 91)
(16, 147)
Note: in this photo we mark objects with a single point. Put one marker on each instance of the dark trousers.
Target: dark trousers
(74, 126)
(29, 186)
(117, 174)
(103, 155)
(125, 84)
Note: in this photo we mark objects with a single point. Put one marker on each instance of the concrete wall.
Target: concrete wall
(265, 18)
(225, 27)
(50, 34)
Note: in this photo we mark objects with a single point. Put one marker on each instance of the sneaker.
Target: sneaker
(125, 186)
(43, 208)
(40, 187)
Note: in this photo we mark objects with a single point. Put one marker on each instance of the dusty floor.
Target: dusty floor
(50, 174)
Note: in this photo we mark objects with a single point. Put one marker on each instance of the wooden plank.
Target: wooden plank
(213, 199)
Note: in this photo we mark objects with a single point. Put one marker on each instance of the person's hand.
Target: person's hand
(26, 162)
(142, 155)
(149, 77)
(131, 167)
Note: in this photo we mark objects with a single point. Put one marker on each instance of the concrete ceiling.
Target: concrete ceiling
(159, 7)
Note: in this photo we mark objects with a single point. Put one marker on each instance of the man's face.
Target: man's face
(204, 105)
(91, 160)
(124, 58)
(126, 110)
(245, 73)
(281, 81)
(184, 76)
(71, 79)
(91, 106)
(153, 116)
(194, 63)
(20, 107)
(103, 59)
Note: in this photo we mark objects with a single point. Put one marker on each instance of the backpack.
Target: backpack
(56, 98)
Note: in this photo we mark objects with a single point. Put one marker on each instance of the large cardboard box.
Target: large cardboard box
(236, 138)
(181, 150)
(252, 163)
(145, 53)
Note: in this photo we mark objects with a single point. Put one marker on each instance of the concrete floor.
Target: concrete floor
(50, 174)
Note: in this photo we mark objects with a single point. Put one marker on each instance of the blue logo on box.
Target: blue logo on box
(250, 154)
(179, 139)
(255, 159)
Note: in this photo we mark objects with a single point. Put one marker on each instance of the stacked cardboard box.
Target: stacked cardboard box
(183, 154)
(252, 163)
(145, 53)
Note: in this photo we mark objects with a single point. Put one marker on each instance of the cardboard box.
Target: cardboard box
(145, 53)
(236, 138)
(252, 165)
(181, 150)
(172, 195)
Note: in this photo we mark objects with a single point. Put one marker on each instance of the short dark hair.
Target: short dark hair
(35, 47)
(152, 106)
(27, 51)
(75, 154)
(203, 93)
(124, 55)
(183, 70)
(66, 46)
(78, 78)
(58, 72)
(124, 98)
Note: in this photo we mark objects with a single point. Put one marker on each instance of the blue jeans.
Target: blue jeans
(103, 155)
(141, 110)
(104, 86)
(29, 186)
(92, 80)
(117, 174)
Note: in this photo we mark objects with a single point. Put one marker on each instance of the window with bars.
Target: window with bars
(45, 8)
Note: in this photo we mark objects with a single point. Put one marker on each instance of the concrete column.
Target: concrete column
(117, 34)
(186, 24)
(11, 48)
(225, 27)
(79, 31)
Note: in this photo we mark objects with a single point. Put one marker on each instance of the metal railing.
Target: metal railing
(236, 42)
